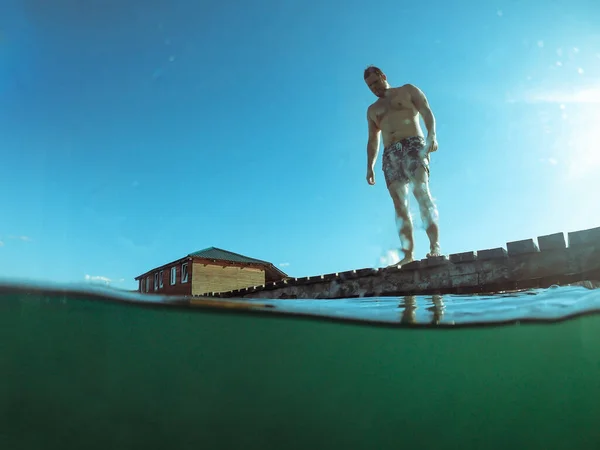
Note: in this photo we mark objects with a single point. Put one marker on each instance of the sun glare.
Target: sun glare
(582, 140)
(573, 117)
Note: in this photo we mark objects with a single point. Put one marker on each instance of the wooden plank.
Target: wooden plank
(413, 265)
(367, 272)
(397, 281)
(343, 289)
(465, 274)
(492, 271)
(347, 275)
(525, 246)
(523, 263)
(329, 276)
(491, 253)
(465, 280)
(435, 261)
(463, 257)
(583, 258)
(554, 241)
(584, 237)
(538, 265)
(434, 278)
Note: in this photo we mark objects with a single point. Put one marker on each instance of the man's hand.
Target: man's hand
(370, 176)
(431, 145)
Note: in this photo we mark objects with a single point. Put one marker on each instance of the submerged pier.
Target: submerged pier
(531, 263)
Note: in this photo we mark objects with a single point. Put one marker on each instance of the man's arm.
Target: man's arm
(372, 143)
(422, 105)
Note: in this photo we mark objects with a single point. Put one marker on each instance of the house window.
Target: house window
(156, 281)
(173, 275)
(184, 272)
(160, 279)
(147, 284)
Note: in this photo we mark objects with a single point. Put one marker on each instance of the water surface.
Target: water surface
(97, 372)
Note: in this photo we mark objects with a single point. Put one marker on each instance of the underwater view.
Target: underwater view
(299, 225)
(102, 369)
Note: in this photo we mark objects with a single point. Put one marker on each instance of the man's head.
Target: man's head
(376, 80)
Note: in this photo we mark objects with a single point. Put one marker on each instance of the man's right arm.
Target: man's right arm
(372, 143)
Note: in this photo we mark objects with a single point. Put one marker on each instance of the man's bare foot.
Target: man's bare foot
(435, 251)
(405, 260)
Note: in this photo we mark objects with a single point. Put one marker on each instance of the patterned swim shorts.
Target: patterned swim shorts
(401, 160)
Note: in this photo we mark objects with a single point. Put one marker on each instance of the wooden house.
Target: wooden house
(209, 270)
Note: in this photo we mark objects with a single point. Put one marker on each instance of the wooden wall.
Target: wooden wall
(219, 278)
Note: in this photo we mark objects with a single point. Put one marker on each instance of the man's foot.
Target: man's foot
(435, 251)
(405, 260)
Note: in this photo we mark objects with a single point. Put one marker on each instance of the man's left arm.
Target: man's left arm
(420, 101)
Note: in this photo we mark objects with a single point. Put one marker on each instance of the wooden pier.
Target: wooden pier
(531, 263)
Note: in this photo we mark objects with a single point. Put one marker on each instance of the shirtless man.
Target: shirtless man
(405, 161)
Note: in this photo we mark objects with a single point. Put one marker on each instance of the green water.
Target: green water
(88, 374)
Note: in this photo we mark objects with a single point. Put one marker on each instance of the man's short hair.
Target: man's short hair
(372, 69)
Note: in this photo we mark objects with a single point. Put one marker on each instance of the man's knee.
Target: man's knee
(420, 174)
(399, 194)
(423, 196)
(421, 192)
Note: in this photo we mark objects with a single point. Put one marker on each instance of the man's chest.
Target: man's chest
(393, 105)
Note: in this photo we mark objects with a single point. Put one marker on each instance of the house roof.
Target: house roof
(218, 254)
(272, 272)
(224, 255)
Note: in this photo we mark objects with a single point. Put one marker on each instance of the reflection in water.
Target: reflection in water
(409, 309)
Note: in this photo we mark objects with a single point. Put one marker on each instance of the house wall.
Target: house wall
(222, 278)
(167, 288)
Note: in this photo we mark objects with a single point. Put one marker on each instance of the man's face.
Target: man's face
(377, 84)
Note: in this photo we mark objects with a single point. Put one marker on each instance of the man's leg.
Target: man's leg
(429, 212)
(399, 193)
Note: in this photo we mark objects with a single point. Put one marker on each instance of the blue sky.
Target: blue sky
(133, 133)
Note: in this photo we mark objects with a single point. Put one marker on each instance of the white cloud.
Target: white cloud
(284, 264)
(21, 238)
(102, 279)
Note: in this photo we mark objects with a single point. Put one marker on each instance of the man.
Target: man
(405, 160)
